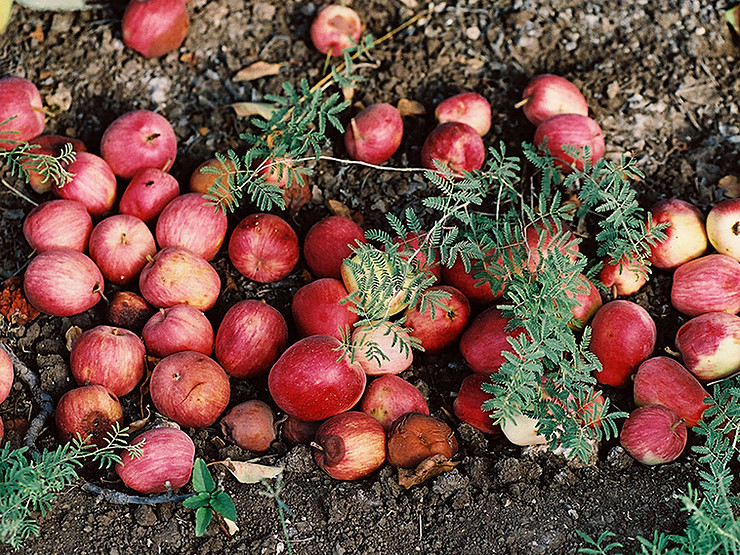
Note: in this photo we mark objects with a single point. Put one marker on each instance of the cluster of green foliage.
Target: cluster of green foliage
(208, 500)
(29, 480)
(712, 526)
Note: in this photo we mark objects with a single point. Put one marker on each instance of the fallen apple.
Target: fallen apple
(328, 243)
(121, 245)
(707, 284)
(374, 135)
(384, 348)
(653, 434)
(250, 425)
(317, 309)
(467, 405)
(388, 397)
(468, 107)
(88, 413)
(129, 310)
(548, 95)
(444, 329)
(484, 342)
(264, 248)
(710, 345)
(190, 222)
(723, 227)
(415, 437)
(148, 192)
(686, 236)
(570, 130)
(456, 145)
(6, 375)
(58, 224)
(178, 328)
(625, 277)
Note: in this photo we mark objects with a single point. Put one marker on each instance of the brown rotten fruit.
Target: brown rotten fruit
(89, 412)
(250, 425)
(415, 437)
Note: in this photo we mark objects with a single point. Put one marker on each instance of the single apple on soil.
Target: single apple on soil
(328, 243)
(723, 227)
(548, 95)
(653, 434)
(155, 27)
(88, 412)
(444, 329)
(335, 28)
(264, 248)
(250, 425)
(388, 397)
(710, 345)
(374, 135)
(178, 328)
(707, 284)
(468, 107)
(58, 224)
(686, 236)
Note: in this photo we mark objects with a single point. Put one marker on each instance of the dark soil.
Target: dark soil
(662, 80)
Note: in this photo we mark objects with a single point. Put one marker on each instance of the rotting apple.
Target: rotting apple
(177, 276)
(93, 184)
(121, 245)
(58, 224)
(388, 397)
(707, 284)
(415, 437)
(155, 27)
(686, 236)
(468, 404)
(456, 145)
(723, 227)
(663, 381)
(374, 135)
(88, 412)
(250, 425)
(486, 339)
(710, 345)
(468, 107)
(577, 131)
(653, 434)
(444, 329)
(190, 222)
(138, 140)
(148, 192)
(328, 242)
(129, 310)
(312, 380)
(253, 327)
(317, 309)
(548, 95)
(623, 335)
(166, 461)
(178, 328)
(264, 248)
(382, 349)
(190, 388)
(21, 101)
(63, 283)
(335, 28)
(350, 446)
(300, 431)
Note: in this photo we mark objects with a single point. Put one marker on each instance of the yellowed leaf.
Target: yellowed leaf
(411, 107)
(428, 468)
(348, 93)
(257, 70)
(338, 208)
(71, 336)
(731, 185)
(251, 473)
(261, 109)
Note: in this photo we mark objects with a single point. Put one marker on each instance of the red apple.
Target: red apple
(444, 329)
(252, 327)
(58, 224)
(129, 310)
(623, 335)
(328, 243)
(573, 130)
(93, 184)
(350, 446)
(155, 27)
(653, 434)
(626, 277)
(589, 302)
(138, 140)
(457, 145)
(389, 397)
(415, 437)
(467, 405)
(250, 425)
(707, 284)
(317, 309)
(88, 412)
(374, 134)
(334, 29)
(178, 328)
(190, 222)
(278, 171)
(176, 276)
(411, 248)
(477, 291)
(382, 349)
(469, 107)
(723, 227)
(148, 192)
(121, 245)
(53, 146)
(264, 248)
(108, 356)
(166, 461)
(548, 95)
(190, 388)
(686, 237)
(663, 381)
(484, 342)
(63, 283)
(554, 234)
(310, 381)
(20, 100)
(710, 345)
(6, 375)
(300, 431)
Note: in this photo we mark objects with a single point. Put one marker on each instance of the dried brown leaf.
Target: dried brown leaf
(426, 469)
(71, 336)
(297, 195)
(261, 109)
(338, 208)
(251, 473)
(37, 33)
(731, 185)
(257, 70)
(14, 305)
(410, 107)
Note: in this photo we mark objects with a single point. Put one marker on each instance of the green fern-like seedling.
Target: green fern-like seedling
(208, 500)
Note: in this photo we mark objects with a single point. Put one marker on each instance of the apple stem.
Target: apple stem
(99, 290)
(677, 424)
(521, 103)
(316, 446)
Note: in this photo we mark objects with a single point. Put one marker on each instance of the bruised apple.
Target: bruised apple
(129, 310)
(300, 431)
(653, 434)
(88, 412)
(388, 397)
(415, 437)
(250, 425)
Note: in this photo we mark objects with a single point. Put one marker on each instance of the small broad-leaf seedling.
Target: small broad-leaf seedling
(208, 499)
